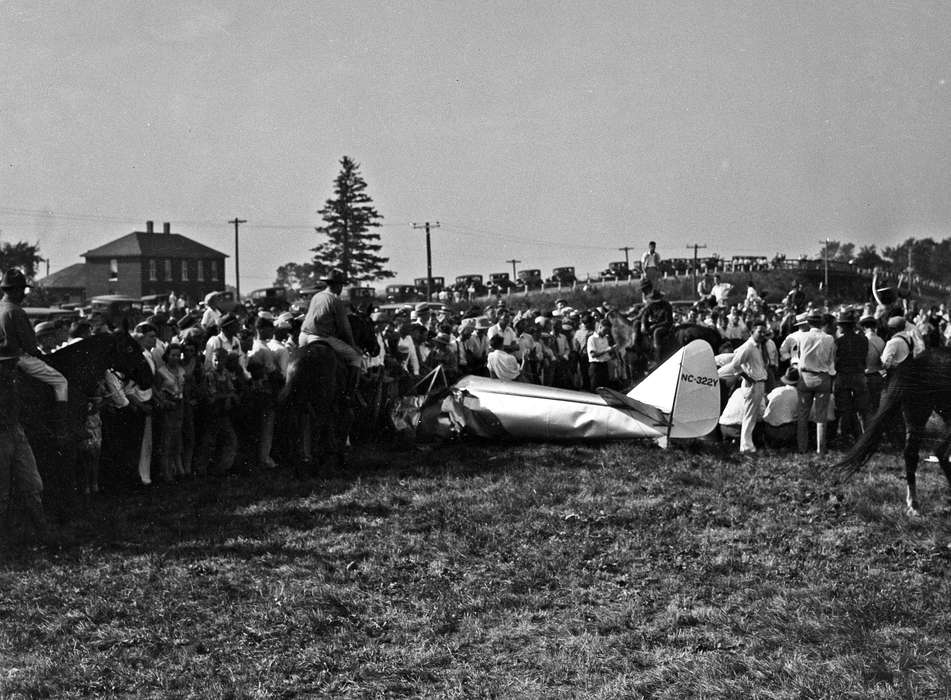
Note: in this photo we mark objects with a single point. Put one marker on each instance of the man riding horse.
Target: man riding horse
(656, 321)
(18, 342)
(327, 321)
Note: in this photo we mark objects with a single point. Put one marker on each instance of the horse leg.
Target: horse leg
(944, 448)
(915, 419)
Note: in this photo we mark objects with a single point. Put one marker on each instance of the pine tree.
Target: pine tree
(349, 220)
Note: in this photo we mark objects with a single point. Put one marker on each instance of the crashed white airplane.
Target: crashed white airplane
(680, 399)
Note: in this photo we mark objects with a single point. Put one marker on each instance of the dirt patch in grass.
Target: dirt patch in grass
(615, 570)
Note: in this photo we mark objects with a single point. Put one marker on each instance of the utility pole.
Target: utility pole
(696, 269)
(825, 258)
(429, 258)
(47, 261)
(514, 263)
(627, 259)
(237, 275)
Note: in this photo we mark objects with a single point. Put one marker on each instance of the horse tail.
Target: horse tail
(868, 443)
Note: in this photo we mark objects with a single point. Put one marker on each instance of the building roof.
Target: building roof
(73, 276)
(153, 245)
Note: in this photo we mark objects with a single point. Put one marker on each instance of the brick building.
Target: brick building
(147, 262)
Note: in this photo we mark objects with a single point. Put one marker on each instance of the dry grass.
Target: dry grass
(519, 571)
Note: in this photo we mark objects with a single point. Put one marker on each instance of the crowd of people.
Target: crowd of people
(213, 406)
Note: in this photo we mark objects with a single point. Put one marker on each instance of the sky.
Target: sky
(553, 133)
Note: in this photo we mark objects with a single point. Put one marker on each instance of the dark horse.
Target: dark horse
(639, 345)
(314, 400)
(83, 363)
(919, 387)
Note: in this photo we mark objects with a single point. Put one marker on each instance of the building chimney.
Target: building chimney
(166, 228)
(150, 227)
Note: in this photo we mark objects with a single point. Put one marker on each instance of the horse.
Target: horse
(315, 402)
(83, 363)
(918, 387)
(638, 346)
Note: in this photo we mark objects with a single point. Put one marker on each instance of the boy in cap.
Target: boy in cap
(18, 341)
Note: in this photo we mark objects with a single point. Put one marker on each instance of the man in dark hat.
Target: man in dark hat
(657, 320)
(851, 387)
(18, 341)
(327, 321)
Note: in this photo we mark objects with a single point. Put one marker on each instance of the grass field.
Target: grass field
(471, 570)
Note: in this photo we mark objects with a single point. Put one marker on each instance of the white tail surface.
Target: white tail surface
(686, 388)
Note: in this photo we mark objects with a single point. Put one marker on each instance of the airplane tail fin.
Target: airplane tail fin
(687, 389)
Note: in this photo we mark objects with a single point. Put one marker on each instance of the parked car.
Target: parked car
(269, 298)
(616, 271)
(403, 292)
(38, 314)
(439, 284)
(562, 277)
(360, 295)
(118, 310)
(466, 282)
(500, 280)
(532, 279)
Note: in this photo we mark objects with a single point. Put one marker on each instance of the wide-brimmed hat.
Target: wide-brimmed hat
(868, 319)
(814, 317)
(228, 319)
(801, 319)
(13, 278)
(482, 323)
(335, 276)
(791, 377)
(442, 338)
(211, 296)
(845, 318)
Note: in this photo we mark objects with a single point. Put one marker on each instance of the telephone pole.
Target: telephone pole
(627, 259)
(696, 268)
(514, 262)
(429, 258)
(237, 275)
(825, 258)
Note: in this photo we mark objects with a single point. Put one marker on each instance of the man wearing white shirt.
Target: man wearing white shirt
(749, 364)
(816, 368)
(650, 262)
(780, 420)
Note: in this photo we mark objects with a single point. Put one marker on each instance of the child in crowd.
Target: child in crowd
(220, 400)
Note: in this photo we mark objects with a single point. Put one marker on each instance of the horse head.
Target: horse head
(126, 357)
(364, 333)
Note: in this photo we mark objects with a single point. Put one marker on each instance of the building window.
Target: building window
(113, 270)
(168, 269)
(214, 270)
(201, 271)
(184, 270)
(153, 271)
